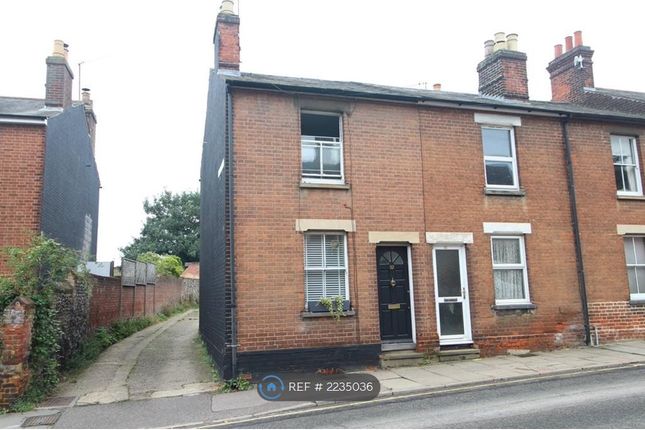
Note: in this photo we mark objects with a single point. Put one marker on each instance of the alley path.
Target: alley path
(164, 360)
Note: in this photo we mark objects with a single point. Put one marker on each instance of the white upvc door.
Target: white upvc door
(451, 294)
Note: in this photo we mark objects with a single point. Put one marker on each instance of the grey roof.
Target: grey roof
(23, 107)
(632, 95)
(358, 89)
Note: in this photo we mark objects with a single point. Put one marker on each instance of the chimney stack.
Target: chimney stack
(58, 86)
(571, 71)
(90, 116)
(502, 73)
(227, 39)
(436, 87)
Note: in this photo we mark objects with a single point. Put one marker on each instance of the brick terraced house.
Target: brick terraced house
(444, 223)
(48, 175)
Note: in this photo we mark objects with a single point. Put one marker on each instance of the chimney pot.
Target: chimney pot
(227, 7)
(511, 41)
(86, 96)
(558, 50)
(436, 87)
(568, 42)
(59, 48)
(488, 47)
(500, 41)
(577, 36)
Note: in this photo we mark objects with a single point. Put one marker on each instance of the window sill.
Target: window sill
(517, 307)
(638, 302)
(624, 197)
(500, 192)
(323, 185)
(306, 314)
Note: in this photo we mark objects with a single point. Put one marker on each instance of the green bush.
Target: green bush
(167, 265)
(37, 272)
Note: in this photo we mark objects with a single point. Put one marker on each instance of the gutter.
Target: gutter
(231, 215)
(571, 185)
(23, 120)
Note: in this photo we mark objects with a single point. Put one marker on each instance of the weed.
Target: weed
(236, 384)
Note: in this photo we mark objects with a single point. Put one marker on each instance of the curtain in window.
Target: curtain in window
(509, 282)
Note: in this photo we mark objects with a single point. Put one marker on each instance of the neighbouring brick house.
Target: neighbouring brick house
(48, 173)
(442, 220)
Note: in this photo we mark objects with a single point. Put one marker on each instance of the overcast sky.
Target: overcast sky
(147, 64)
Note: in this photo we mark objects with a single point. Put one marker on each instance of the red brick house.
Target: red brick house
(441, 221)
(48, 174)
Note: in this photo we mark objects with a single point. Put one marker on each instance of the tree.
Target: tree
(167, 265)
(171, 228)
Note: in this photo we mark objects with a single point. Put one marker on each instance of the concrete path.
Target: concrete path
(164, 360)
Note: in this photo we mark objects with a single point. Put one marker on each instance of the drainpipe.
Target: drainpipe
(229, 126)
(571, 185)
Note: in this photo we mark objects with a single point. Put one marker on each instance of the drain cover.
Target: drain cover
(57, 402)
(41, 420)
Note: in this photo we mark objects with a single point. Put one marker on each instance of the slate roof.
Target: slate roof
(383, 92)
(615, 100)
(23, 107)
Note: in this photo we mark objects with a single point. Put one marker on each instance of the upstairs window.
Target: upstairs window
(635, 258)
(500, 162)
(626, 169)
(322, 147)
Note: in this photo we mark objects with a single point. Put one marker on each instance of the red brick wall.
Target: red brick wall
(108, 293)
(397, 184)
(22, 153)
(15, 333)
(600, 211)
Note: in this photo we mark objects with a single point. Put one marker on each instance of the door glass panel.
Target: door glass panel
(448, 273)
(451, 318)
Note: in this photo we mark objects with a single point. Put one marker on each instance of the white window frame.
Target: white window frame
(322, 180)
(637, 170)
(322, 269)
(522, 265)
(512, 159)
(638, 296)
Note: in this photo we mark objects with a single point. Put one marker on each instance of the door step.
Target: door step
(398, 346)
(458, 354)
(401, 359)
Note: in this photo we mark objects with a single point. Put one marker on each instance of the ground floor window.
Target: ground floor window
(509, 270)
(325, 267)
(635, 258)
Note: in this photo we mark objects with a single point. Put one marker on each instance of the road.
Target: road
(612, 399)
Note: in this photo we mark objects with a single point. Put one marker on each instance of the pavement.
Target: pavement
(156, 381)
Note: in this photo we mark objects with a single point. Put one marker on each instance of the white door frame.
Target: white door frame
(467, 337)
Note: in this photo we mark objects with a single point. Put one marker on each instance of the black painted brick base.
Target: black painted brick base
(308, 359)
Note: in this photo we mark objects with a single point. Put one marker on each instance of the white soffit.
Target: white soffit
(494, 119)
(448, 237)
(325, 224)
(393, 236)
(507, 227)
(630, 229)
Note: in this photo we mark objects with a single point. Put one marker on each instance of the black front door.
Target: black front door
(394, 293)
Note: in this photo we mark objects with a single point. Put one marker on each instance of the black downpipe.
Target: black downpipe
(576, 230)
(231, 220)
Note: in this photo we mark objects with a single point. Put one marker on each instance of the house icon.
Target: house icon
(271, 387)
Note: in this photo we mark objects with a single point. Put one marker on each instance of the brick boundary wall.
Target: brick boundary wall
(17, 322)
(111, 302)
(617, 320)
